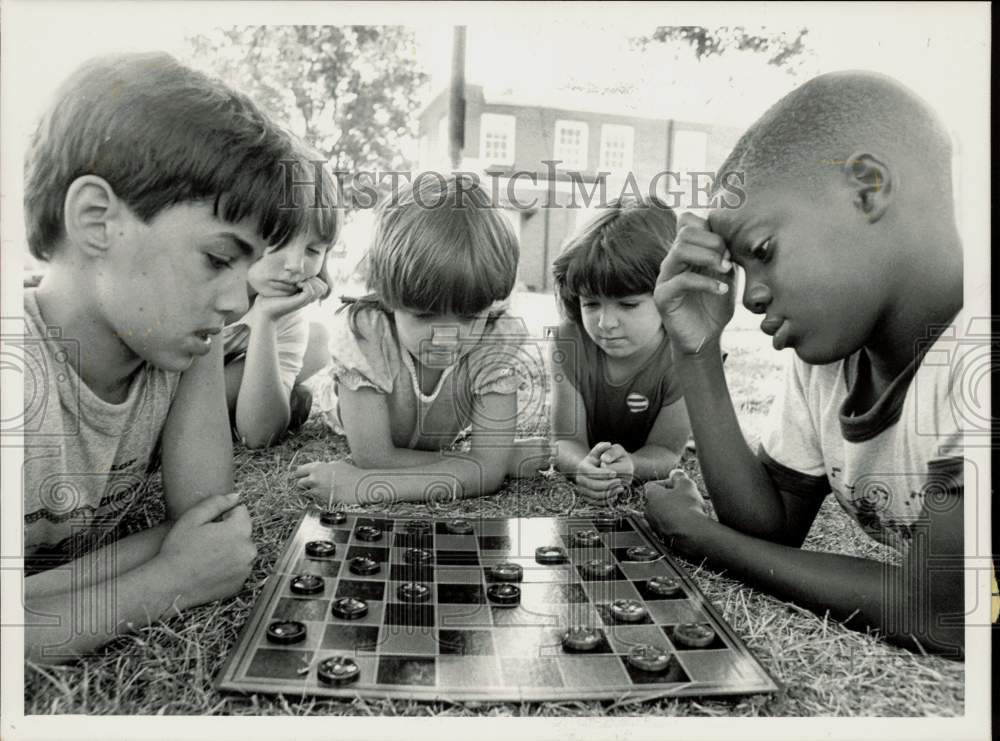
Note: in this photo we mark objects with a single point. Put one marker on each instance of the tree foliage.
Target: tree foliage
(782, 48)
(351, 92)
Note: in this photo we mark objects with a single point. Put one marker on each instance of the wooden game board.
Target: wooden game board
(458, 645)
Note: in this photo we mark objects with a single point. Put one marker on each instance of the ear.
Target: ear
(91, 211)
(871, 182)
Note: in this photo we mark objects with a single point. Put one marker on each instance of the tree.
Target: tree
(783, 48)
(350, 91)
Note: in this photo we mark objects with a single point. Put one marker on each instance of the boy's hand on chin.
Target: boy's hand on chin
(674, 507)
(275, 307)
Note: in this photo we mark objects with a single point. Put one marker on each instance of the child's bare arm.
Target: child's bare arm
(109, 562)
(365, 416)
(695, 299)
(196, 446)
(70, 612)
(477, 472)
(574, 457)
(568, 423)
(909, 604)
(262, 402)
(664, 444)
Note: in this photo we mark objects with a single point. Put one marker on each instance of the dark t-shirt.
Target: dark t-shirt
(623, 412)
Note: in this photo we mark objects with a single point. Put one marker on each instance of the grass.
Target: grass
(825, 669)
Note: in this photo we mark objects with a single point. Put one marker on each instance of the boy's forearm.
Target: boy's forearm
(63, 626)
(862, 593)
(262, 407)
(197, 445)
(100, 565)
(741, 490)
(654, 462)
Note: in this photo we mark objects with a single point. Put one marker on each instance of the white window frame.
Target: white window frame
(624, 134)
(558, 154)
(497, 123)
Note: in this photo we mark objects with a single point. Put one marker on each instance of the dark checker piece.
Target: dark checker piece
(333, 517)
(664, 586)
(504, 595)
(364, 566)
(286, 632)
(597, 568)
(506, 571)
(413, 591)
(694, 635)
(642, 553)
(349, 608)
(418, 556)
(586, 537)
(418, 527)
(459, 527)
(307, 584)
(628, 610)
(320, 548)
(338, 670)
(549, 554)
(581, 638)
(648, 658)
(368, 533)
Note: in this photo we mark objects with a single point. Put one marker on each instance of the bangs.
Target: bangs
(617, 254)
(600, 269)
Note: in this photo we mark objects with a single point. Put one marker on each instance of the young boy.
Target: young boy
(848, 240)
(149, 189)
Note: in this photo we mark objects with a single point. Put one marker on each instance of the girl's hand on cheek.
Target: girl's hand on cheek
(275, 307)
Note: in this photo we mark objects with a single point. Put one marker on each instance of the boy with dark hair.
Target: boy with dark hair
(150, 188)
(851, 252)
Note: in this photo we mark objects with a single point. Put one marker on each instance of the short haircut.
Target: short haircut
(160, 134)
(440, 246)
(809, 134)
(617, 253)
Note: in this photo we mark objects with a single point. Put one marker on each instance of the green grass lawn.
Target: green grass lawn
(825, 669)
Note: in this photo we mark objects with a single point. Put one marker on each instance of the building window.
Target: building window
(571, 145)
(496, 139)
(616, 147)
(690, 151)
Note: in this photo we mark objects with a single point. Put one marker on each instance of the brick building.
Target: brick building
(550, 163)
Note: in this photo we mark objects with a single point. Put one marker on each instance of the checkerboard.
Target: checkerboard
(458, 644)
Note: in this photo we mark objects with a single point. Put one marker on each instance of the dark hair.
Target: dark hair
(160, 134)
(319, 196)
(617, 253)
(807, 135)
(440, 246)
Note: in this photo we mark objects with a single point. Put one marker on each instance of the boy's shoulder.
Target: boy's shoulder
(86, 459)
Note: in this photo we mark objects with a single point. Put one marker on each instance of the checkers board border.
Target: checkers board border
(233, 675)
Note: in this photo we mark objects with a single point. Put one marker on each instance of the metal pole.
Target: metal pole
(456, 99)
